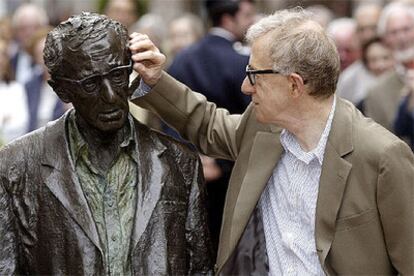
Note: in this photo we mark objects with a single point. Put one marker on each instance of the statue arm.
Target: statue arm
(8, 238)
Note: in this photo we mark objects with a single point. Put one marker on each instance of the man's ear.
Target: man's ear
(62, 93)
(297, 84)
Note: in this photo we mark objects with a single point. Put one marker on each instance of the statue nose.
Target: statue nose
(107, 92)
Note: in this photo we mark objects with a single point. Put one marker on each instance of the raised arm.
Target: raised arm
(213, 130)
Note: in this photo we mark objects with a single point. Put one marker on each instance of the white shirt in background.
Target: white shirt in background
(13, 111)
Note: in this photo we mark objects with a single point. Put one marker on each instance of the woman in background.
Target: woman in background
(378, 59)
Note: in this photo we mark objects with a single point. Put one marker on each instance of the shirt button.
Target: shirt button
(111, 203)
(113, 238)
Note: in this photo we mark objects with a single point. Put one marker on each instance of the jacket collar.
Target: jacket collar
(334, 175)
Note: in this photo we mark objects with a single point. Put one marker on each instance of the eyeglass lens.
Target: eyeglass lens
(116, 77)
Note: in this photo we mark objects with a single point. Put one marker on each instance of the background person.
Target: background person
(13, 112)
(214, 66)
(396, 27)
(354, 81)
(43, 104)
(26, 20)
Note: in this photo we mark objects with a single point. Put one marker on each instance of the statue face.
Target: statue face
(96, 79)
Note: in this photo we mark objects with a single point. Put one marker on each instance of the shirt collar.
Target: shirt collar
(290, 144)
(78, 145)
(221, 32)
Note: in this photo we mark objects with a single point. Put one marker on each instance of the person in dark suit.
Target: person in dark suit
(26, 20)
(33, 90)
(96, 192)
(215, 66)
(404, 119)
(42, 103)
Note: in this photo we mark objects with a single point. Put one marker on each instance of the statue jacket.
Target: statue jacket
(46, 226)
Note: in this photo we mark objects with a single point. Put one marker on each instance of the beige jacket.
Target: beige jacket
(383, 99)
(365, 206)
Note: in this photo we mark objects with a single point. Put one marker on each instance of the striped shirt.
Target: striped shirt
(288, 205)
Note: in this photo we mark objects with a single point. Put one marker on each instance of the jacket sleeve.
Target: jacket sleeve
(395, 197)
(213, 130)
(199, 247)
(8, 239)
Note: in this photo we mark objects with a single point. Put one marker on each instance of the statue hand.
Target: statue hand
(148, 60)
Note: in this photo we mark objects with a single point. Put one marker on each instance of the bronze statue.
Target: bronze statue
(96, 192)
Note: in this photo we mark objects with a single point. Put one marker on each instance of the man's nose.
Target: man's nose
(107, 92)
(247, 88)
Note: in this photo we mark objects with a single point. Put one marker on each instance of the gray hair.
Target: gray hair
(30, 10)
(340, 25)
(300, 45)
(388, 11)
(86, 26)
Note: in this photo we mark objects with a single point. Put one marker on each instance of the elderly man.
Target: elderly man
(354, 80)
(27, 19)
(316, 188)
(396, 26)
(96, 192)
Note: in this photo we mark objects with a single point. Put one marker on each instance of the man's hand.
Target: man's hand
(148, 60)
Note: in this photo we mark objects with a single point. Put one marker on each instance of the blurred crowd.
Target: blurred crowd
(375, 44)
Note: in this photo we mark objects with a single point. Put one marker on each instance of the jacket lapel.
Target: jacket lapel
(335, 171)
(150, 180)
(60, 177)
(265, 153)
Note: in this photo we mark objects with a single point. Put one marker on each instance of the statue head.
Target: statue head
(89, 63)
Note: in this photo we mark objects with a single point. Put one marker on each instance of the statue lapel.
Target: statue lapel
(59, 176)
(150, 181)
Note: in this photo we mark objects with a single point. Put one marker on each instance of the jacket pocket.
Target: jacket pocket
(350, 222)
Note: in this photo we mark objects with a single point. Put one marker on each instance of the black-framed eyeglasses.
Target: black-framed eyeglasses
(116, 76)
(251, 73)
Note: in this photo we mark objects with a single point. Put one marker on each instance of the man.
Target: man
(27, 19)
(95, 192)
(404, 122)
(215, 67)
(123, 11)
(396, 26)
(316, 187)
(353, 81)
(343, 32)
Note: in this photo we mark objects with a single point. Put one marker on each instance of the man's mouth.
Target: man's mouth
(111, 115)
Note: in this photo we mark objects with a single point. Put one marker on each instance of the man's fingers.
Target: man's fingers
(148, 60)
(148, 56)
(142, 45)
(136, 35)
